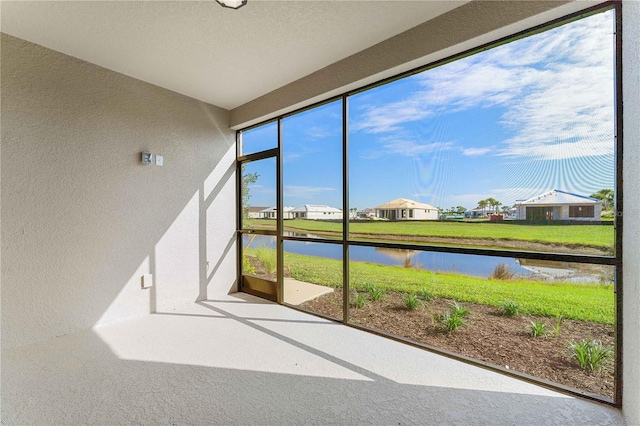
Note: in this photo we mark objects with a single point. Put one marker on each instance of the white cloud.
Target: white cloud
(387, 118)
(410, 148)
(406, 147)
(261, 189)
(556, 88)
(475, 152)
(321, 132)
(292, 156)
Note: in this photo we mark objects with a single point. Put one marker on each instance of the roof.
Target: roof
(403, 203)
(254, 209)
(557, 197)
(317, 208)
(273, 209)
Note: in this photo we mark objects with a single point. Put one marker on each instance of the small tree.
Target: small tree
(245, 191)
(607, 197)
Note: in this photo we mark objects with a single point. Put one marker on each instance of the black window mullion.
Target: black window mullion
(279, 217)
(345, 209)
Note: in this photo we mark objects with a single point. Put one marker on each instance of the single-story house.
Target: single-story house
(272, 212)
(480, 212)
(404, 209)
(316, 211)
(253, 212)
(559, 205)
(367, 213)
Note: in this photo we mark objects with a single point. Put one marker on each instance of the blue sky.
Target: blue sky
(509, 123)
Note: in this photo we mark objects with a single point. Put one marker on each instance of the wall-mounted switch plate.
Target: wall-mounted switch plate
(159, 160)
(146, 158)
(147, 281)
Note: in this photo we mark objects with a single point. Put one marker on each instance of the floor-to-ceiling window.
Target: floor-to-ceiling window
(446, 207)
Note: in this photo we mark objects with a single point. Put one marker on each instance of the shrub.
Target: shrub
(556, 329)
(358, 300)
(459, 310)
(452, 321)
(537, 329)
(433, 317)
(502, 272)
(247, 267)
(411, 302)
(425, 295)
(510, 308)
(267, 257)
(375, 293)
(590, 354)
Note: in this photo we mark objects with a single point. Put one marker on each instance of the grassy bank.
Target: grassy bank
(601, 236)
(583, 302)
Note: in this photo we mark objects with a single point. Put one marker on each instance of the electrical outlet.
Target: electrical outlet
(147, 280)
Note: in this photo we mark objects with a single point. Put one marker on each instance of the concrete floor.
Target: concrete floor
(243, 360)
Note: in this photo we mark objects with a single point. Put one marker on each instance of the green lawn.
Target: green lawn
(584, 302)
(601, 236)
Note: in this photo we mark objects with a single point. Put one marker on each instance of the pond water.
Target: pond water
(474, 265)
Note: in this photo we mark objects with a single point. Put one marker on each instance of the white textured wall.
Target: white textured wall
(631, 243)
(82, 219)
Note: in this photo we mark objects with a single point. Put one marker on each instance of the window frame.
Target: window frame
(346, 242)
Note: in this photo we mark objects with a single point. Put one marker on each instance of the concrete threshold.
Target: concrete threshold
(297, 292)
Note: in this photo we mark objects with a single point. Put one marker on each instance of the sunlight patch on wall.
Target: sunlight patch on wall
(131, 301)
(177, 259)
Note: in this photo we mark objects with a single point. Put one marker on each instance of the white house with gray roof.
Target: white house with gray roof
(559, 205)
(272, 212)
(316, 212)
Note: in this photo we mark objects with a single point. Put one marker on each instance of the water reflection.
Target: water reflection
(405, 257)
(565, 271)
(478, 266)
(301, 234)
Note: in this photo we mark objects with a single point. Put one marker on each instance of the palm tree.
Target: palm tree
(493, 203)
(496, 204)
(482, 204)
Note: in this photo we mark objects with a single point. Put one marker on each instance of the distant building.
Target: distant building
(316, 212)
(404, 209)
(480, 212)
(272, 213)
(367, 213)
(559, 205)
(254, 212)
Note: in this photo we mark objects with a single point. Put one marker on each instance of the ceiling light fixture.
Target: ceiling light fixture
(232, 4)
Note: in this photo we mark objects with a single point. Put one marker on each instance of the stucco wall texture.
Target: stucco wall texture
(631, 218)
(83, 219)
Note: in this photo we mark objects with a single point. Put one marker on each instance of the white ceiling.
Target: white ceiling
(222, 56)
